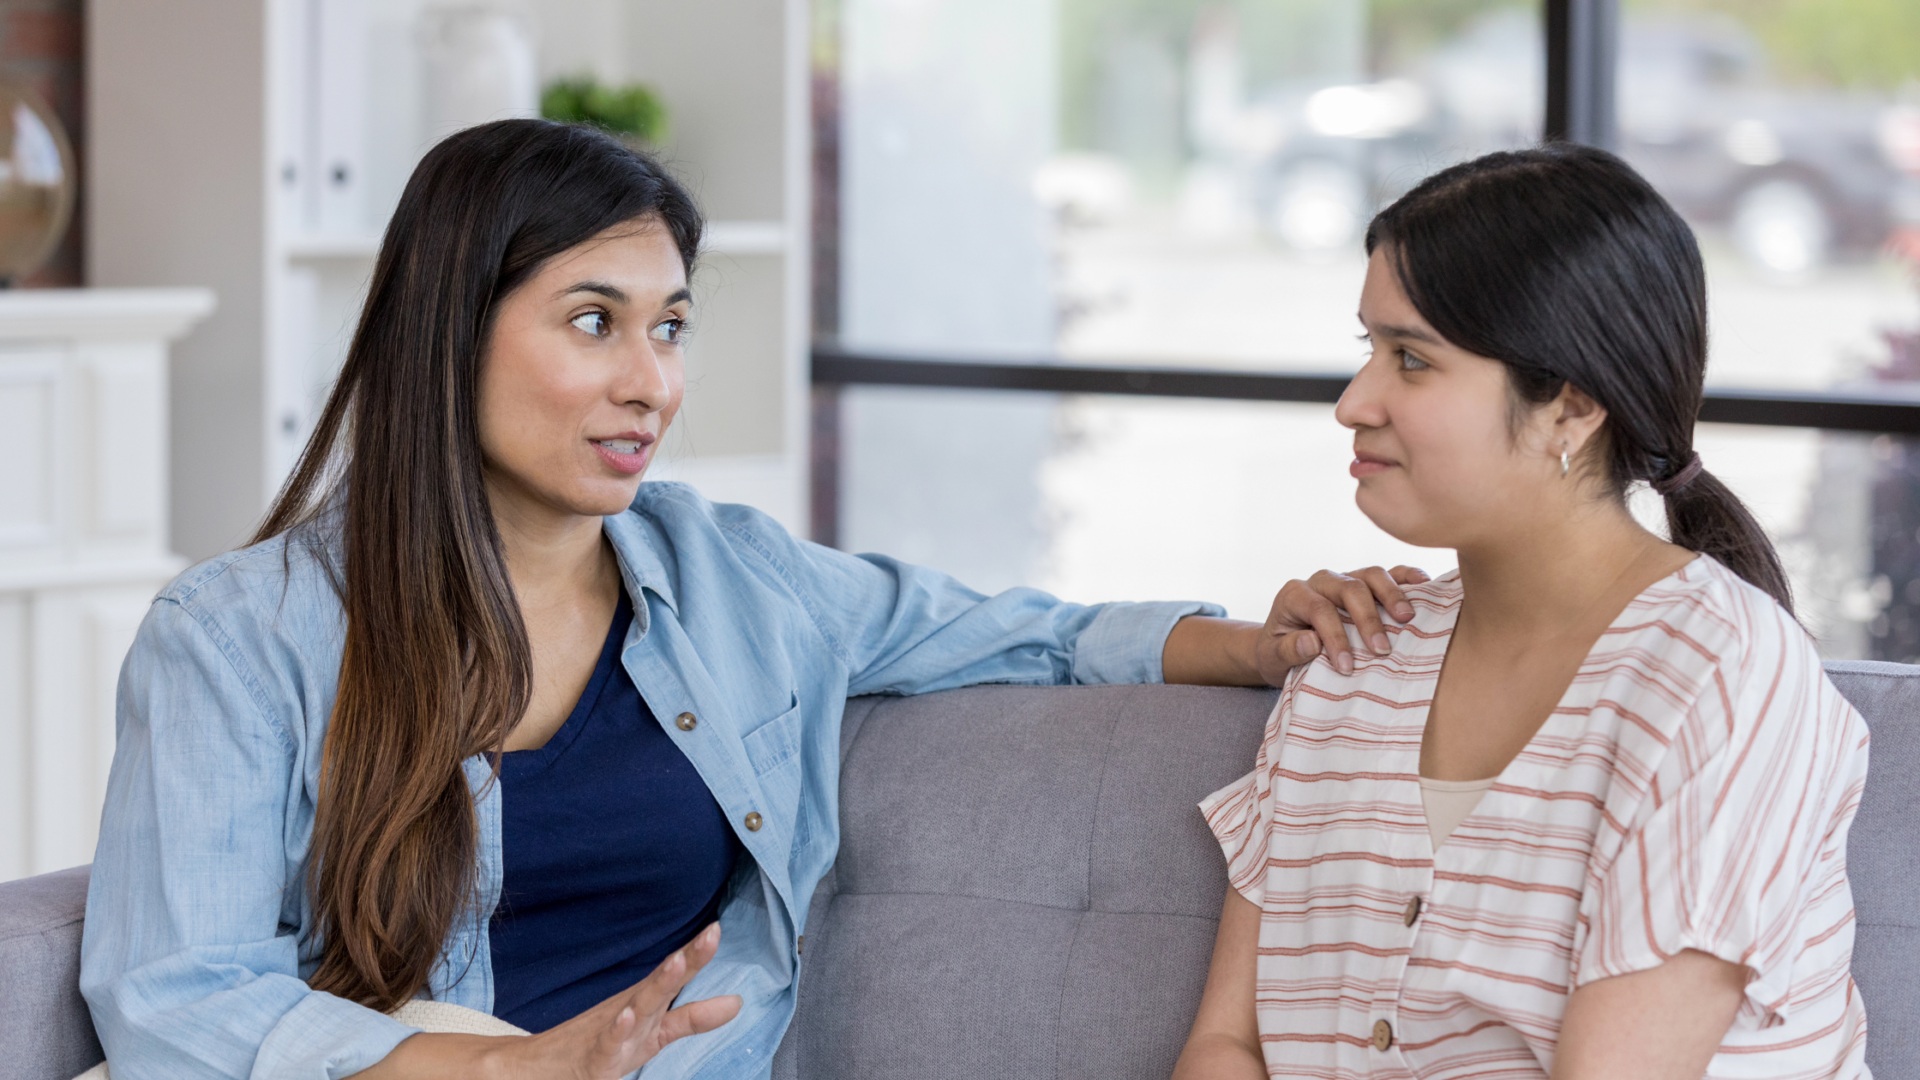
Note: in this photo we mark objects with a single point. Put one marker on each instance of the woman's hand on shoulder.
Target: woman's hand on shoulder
(1304, 621)
(606, 1042)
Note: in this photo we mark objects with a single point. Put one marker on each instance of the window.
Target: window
(1163, 185)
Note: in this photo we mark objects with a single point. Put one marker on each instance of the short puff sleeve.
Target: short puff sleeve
(1737, 846)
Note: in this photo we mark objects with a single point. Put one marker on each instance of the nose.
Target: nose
(649, 378)
(1360, 403)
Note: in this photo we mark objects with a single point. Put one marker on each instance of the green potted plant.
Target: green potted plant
(633, 111)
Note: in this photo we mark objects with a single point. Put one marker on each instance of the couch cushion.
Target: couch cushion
(1883, 862)
(44, 1026)
(1024, 887)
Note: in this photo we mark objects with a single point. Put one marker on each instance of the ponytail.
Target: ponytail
(1703, 515)
(1565, 265)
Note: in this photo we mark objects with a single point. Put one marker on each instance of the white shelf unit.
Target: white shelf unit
(83, 544)
(258, 146)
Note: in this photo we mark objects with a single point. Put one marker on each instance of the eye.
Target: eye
(595, 323)
(670, 331)
(1410, 362)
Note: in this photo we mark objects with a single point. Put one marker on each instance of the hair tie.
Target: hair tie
(1674, 484)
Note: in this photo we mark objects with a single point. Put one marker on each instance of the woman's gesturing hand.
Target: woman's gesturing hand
(1304, 621)
(606, 1042)
(625, 1031)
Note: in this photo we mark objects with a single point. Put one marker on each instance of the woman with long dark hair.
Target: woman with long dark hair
(1588, 818)
(479, 724)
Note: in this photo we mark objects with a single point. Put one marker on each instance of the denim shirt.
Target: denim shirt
(199, 931)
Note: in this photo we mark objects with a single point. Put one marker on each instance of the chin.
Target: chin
(1397, 519)
(605, 498)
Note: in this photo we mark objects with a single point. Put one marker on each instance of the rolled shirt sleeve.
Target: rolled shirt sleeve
(906, 629)
(186, 964)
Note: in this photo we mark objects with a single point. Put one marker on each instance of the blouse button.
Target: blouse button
(685, 721)
(1413, 911)
(1382, 1035)
(753, 822)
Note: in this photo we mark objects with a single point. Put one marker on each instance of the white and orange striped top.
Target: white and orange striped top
(1692, 790)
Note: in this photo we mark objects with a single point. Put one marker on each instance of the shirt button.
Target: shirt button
(1413, 911)
(800, 944)
(685, 721)
(753, 822)
(1382, 1035)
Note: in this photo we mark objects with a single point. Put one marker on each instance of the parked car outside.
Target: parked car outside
(1795, 177)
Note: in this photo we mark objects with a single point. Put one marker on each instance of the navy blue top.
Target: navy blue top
(615, 853)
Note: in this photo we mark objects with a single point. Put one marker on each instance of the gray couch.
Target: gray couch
(1025, 889)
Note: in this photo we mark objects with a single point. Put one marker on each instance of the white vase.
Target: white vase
(479, 66)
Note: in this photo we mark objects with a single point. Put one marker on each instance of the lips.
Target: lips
(627, 452)
(1365, 465)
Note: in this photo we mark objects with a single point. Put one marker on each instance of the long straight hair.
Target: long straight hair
(436, 667)
(1566, 265)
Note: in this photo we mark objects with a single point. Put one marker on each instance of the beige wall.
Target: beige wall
(176, 190)
(735, 391)
(720, 65)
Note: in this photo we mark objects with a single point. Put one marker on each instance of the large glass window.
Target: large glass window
(1788, 133)
(1178, 183)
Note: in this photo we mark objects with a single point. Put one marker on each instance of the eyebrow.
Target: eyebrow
(1411, 333)
(598, 288)
(617, 294)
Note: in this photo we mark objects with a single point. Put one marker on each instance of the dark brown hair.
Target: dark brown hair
(1565, 265)
(436, 666)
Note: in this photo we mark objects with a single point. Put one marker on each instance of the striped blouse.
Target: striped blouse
(1692, 790)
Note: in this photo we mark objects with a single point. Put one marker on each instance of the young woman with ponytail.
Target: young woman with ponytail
(481, 728)
(1588, 818)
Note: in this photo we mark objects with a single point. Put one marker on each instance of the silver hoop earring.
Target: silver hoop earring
(1566, 462)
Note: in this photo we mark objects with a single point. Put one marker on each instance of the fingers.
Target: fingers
(1386, 591)
(653, 994)
(1325, 619)
(1409, 575)
(1311, 604)
(698, 1017)
(1299, 647)
(1356, 598)
(701, 950)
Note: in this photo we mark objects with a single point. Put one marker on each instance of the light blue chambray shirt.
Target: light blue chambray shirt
(199, 932)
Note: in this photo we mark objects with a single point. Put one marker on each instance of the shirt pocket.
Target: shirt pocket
(774, 743)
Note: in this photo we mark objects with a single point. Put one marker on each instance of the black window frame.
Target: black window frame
(1582, 38)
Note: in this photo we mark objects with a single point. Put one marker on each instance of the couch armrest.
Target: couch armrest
(44, 1024)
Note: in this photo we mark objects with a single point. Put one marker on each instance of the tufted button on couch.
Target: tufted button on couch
(1024, 889)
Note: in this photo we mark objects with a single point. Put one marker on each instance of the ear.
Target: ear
(1576, 418)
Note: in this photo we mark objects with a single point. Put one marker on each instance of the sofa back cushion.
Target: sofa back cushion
(1024, 888)
(1883, 863)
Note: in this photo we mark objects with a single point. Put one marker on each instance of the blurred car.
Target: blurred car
(1795, 177)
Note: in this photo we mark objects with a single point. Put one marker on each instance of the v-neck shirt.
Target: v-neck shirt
(1692, 790)
(615, 853)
